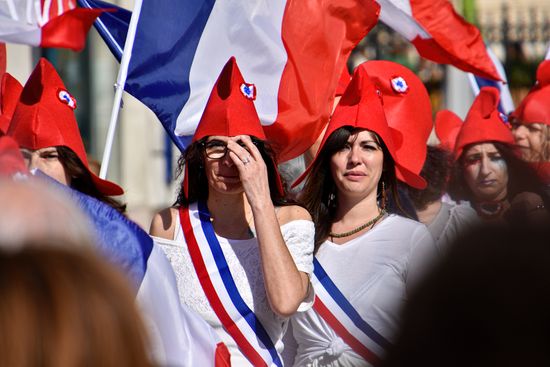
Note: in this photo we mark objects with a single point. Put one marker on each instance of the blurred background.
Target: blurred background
(143, 158)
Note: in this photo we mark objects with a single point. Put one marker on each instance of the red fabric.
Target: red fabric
(3, 61)
(69, 29)
(409, 112)
(319, 37)
(41, 119)
(543, 171)
(361, 107)
(447, 127)
(222, 357)
(228, 112)
(483, 122)
(10, 90)
(535, 107)
(454, 40)
(343, 82)
(11, 160)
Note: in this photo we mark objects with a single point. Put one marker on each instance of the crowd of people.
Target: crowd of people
(366, 264)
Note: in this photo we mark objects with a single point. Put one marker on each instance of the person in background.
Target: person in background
(444, 220)
(10, 90)
(44, 126)
(64, 307)
(531, 123)
(484, 304)
(488, 171)
(366, 259)
(237, 248)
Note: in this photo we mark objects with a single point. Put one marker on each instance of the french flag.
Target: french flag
(293, 51)
(439, 34)
(506, 103)
(179, 337)
(45, 23)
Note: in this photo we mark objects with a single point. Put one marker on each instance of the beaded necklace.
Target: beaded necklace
(360, 228)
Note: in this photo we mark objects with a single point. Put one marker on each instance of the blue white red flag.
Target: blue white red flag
(344, 319)
(439, 34)
(179, 336)
(293, 51)
(506, 104)
(45, 23)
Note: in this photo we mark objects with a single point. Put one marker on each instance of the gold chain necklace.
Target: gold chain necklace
(360, 228)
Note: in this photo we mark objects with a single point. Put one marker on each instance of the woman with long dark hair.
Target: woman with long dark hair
(44, 126)
(366, 259)
(242, 256)
(489, 172)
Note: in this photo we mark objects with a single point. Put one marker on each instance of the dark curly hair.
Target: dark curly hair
(436, 171)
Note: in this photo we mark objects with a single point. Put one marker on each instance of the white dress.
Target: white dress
(374, 272)
(243, 259)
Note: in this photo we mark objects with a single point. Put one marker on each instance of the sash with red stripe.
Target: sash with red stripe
(343, 318)
(220, 289)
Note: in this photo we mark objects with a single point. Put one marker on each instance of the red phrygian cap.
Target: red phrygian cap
(10, 90)
(361, 107)
(408, 110)
(447, 127)
(44, 117)
(11, 159)
(483, 122)
(535, 107)
(230, 110)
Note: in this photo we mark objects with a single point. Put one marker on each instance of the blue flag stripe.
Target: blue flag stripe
(347, 307)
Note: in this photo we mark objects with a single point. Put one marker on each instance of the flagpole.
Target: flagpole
(119, 87)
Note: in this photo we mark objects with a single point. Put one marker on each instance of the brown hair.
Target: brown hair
(81, 178)
(319, 186)
(521, 177)
(62, 308)
(194, 157)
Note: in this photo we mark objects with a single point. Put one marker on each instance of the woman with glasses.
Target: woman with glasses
(242, 256)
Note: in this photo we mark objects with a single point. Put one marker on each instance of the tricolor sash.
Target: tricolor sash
(344, 319)
(220, 289)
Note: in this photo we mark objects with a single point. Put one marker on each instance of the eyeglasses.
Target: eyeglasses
(216, 149)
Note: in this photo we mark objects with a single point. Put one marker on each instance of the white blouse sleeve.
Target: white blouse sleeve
(299, 236)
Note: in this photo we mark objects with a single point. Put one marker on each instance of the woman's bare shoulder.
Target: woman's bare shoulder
(286, 214)
(164, 223)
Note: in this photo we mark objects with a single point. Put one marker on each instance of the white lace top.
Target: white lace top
(243, 258)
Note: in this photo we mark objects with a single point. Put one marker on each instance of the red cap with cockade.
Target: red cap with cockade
(361, 107)
(484, 122)
(44, 117)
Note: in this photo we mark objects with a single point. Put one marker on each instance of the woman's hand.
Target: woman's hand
(252, 169)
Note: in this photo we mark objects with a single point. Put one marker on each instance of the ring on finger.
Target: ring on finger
(246, 160)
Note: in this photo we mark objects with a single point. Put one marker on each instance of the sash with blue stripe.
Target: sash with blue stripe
(220, 289)
(343, 318)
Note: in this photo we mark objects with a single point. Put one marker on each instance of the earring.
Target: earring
(383, 197)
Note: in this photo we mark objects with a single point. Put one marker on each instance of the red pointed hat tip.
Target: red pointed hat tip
(487, 101)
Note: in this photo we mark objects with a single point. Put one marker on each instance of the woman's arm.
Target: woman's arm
(285, 285)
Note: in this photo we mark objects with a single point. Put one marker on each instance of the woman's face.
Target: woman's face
(531, 139)
(221, 173)
(485, 172)
(47, 161)
(357, 167)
